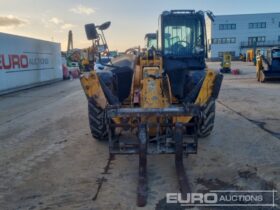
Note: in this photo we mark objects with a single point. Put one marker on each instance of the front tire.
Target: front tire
(97, 121)
(206, 126)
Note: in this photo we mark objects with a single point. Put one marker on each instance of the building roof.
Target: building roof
(273, 13)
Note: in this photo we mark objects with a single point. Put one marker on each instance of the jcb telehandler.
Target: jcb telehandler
(164, 99)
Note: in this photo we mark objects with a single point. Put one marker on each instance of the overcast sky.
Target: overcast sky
(131, 19)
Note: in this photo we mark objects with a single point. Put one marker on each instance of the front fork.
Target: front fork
(142, 191)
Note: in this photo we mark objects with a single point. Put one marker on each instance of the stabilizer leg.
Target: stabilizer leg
(181, 174)
(142, 180)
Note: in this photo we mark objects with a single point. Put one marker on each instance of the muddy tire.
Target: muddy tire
(206, 126)
(97, 121)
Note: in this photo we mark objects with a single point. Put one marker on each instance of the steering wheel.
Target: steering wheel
(178, 46)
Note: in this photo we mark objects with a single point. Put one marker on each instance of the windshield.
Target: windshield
(152, 42)
(182, 36)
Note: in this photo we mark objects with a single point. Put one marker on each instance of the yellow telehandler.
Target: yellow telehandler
(164, 98)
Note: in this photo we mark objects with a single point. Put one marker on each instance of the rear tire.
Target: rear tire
(206, 126)
(97, 121)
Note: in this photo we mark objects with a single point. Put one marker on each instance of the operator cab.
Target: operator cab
(151, 40)
(181, 41)
(182, 38)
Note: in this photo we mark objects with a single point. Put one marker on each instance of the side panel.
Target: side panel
(25, 61)
(93, 89)
(204, 95)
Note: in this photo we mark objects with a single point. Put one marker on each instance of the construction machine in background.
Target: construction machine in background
(73, 56)
(226, 63)
(250, 54)
(151, 41)
(84, 59)
(268, 67)
(158, 102)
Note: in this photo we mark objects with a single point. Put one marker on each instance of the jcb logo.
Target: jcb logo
(13, 61)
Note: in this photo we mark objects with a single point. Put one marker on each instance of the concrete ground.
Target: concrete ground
(48, 159)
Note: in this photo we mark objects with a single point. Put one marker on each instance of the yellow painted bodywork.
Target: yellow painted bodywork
(226, 63)
(250, 55)
(151, 91)
(148, 83)
(207, 88)
(93, 89)
(203, 96)
(259, 64)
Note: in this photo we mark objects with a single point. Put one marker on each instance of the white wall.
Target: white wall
(25, 61)
(242, 32)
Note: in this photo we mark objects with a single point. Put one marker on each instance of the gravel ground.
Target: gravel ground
(48, 159)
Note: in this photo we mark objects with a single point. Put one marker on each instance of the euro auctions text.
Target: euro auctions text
(225, 198)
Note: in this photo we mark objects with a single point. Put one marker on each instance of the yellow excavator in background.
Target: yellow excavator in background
(155, 102)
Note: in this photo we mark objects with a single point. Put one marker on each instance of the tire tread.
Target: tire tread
(207, 125)
(97, 123)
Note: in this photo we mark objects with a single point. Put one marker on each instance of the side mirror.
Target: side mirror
(91, 31)
(104, 26)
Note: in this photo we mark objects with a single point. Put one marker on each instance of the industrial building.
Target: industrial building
(238, 33)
